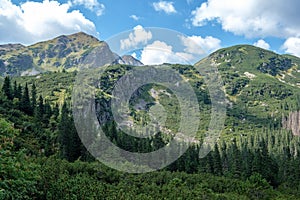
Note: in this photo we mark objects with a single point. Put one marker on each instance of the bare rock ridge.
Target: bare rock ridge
(130, 60)
(63, 52)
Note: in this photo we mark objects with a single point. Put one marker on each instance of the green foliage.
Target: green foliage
(275, 65)
(6, 88)
(19, 176)
(25, 104)
(33, 96)
(70, 143)
(42, 156)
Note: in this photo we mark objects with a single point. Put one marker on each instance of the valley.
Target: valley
(256, 156)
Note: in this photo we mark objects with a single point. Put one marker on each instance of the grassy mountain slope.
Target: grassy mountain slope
(53, 55)
(63, 52)
(261, 87)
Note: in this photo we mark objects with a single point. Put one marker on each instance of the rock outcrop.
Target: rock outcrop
(292, 122)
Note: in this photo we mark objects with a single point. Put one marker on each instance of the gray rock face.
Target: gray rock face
(292, 122)
(129, 60)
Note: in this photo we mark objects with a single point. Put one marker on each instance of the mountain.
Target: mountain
(63, 52)
(261, 88)
(256, 157)
(129, 60)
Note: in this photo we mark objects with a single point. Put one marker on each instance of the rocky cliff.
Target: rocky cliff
(292, 122)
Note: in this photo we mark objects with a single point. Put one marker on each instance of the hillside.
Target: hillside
(259, 84)
(256, 157)
(63, 52)
(41, 157)
(261, 87)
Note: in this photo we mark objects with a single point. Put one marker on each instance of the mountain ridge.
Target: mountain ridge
(63, 52)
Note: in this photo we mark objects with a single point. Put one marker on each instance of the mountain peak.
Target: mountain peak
(241, 48)
(11, 47)
(82, 35)
(248, 59)
(63, 52)
(130, 60)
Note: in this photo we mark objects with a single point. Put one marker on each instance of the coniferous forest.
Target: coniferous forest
(42, 157)
(255, 156)
(149, 100)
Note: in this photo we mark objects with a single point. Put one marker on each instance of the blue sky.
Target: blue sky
(271, 24)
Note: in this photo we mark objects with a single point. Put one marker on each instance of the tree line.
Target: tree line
(41, 129)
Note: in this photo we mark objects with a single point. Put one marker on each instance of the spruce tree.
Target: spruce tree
(33, 96)
(40, 109)
(47, 112)
(15, 90)
(70, 145)
(19, 92)
(225, 162)
(25, 104)
(6, 88)
(217, 161)
(236, 159)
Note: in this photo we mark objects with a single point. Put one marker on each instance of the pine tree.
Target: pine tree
(217, 161)
(19, 92)
(33, 96)
(25, 105)
(40, 109)
(6, 88)
(70, 144)
(47, 112)
(225, 162)
(209, 168)
(15, 90)
(236, 156)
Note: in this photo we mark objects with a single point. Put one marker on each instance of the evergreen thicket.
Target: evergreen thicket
(42, 158)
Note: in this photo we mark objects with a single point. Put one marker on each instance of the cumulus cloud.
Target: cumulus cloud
(262, 44)
(292, 46)
(251, 18)
(31, 21)
(134, 55)
(92, 5)
(159, 52)
(194, 47)
(199, 45)
(137, 37)
(134, 17)
(164, 6)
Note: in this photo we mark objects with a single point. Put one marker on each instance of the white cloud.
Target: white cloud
(199, 45)
(159, 52)
(262, 44)
(134, 55)
(134, 17)
(251, 18)
(92, 5)
(194, 47)
(164, 6)
(137, 37)
(35, 21)
(292, 46)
